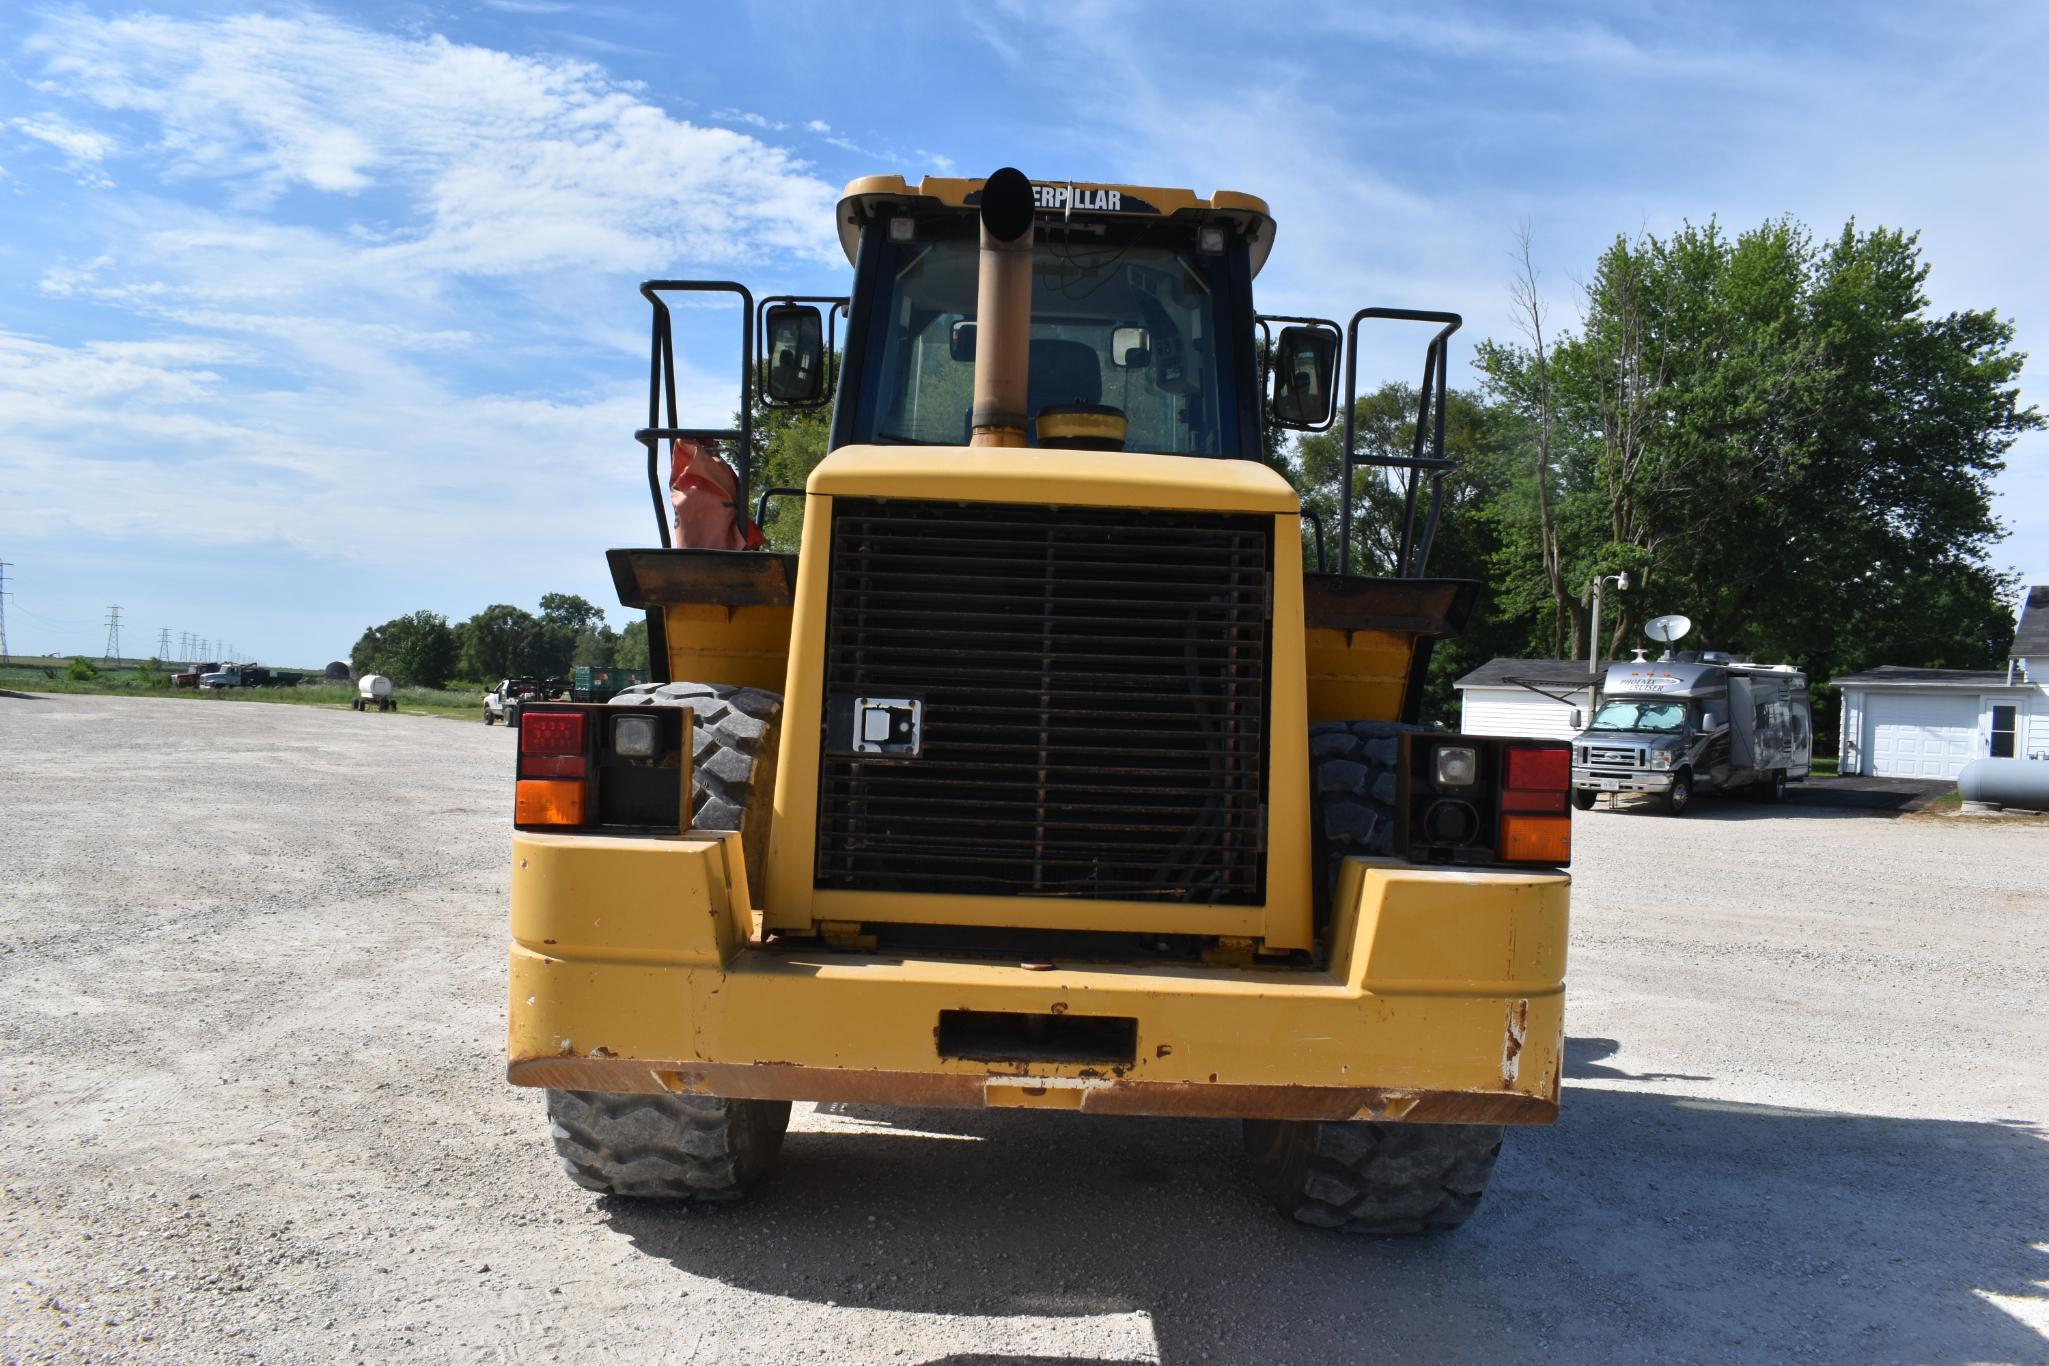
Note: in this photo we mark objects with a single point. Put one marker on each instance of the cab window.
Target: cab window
(1133, 325)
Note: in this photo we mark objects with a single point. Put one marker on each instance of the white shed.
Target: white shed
(1527, 698)
(1928, 723)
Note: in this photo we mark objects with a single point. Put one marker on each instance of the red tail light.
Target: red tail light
(551, 744)
(1536, 779)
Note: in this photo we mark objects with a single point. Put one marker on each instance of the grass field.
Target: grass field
(48, 675)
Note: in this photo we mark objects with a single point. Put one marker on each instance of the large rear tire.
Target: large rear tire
(1351, 796)
(1362, 1176)
(735, 734)
(665, 1147)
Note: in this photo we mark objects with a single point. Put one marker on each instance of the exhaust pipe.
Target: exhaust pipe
(1003, 311)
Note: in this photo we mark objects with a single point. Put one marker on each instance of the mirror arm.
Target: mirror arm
(761, 508)
(1317, 522)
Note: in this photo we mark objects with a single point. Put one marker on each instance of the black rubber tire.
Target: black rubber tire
(732, 776)
(1775, 790)
(1679, 795)
(1351, 796)
(487, 716)
(665, 1147)
(1584, 798)
(1363, 1177)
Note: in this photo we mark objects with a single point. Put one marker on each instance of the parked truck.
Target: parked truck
(247, 676)
(1692, 723)
(1047, 775)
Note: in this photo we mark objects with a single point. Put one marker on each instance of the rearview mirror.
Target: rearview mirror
(1305, 366)
(960, 342)
(794, 351)
(1131, 348)
(1579, 719)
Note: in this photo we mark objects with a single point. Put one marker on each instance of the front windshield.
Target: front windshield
(1634, 714)
(1133, 326)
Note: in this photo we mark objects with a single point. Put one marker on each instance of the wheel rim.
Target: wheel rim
(1682, 793)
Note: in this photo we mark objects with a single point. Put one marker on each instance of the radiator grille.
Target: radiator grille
(1094, 690)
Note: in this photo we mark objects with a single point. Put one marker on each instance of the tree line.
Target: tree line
(424, 649)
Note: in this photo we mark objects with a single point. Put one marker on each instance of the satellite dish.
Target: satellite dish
(1665, 630)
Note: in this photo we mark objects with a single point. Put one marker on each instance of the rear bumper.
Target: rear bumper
(635, 967)
(1604, 780)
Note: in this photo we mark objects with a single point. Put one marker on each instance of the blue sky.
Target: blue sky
(312, 315)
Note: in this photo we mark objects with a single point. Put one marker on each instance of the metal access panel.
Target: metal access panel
(1046, 702)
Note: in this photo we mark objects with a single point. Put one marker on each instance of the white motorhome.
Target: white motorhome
(1694, 723)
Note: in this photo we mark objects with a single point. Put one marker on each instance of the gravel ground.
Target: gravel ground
(251, 1021)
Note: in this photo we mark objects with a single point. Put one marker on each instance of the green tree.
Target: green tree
(595, 645)
(631, 651)
(419, 648)
(564, 619)
(1776, 438)
(499, 642)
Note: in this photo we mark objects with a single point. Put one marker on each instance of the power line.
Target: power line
(113, 632)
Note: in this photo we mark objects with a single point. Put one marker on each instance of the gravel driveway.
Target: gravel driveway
(251, 1022)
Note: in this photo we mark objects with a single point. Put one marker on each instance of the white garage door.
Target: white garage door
(1920, 737)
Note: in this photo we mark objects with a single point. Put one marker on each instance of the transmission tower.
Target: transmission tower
(3, 609)
(163, 643)
(113, 632)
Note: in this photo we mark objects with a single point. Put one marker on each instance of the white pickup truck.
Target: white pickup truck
(503, 702)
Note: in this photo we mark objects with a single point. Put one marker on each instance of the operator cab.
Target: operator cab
(1141, 318)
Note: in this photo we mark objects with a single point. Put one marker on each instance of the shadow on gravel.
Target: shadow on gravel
(1583, 1061)
(19, 696)
(1825, 798)
(1641, 1225)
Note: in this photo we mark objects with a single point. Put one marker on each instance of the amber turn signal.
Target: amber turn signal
(1534, 839)
(540, 802)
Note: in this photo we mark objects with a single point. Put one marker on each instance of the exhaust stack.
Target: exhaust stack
(1003, 311)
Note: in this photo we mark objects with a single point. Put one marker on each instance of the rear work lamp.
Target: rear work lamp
(1473, 800)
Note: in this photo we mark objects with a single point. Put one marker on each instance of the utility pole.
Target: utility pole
(113, 633)
(1621, 581)
(3, 609)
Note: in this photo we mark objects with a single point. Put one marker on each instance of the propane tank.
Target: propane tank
(374, 687)
(2022, 783)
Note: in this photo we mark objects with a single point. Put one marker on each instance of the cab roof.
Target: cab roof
(1245, 213)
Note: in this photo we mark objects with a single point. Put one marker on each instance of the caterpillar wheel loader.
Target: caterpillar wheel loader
(1047, 775)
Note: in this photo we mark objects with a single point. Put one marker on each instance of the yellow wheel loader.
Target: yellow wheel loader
(1047, 775)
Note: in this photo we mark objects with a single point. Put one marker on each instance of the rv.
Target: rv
(1677, 727)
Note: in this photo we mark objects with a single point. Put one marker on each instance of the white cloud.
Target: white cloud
(81, 146)
(382, 295)
(515, 162)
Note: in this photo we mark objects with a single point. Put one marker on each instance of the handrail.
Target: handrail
(1430, 400)
(661, 384)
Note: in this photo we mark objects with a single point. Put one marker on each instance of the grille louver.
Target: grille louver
(1094, 701)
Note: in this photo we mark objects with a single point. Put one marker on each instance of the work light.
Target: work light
(1457, 766)
(635, 737)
